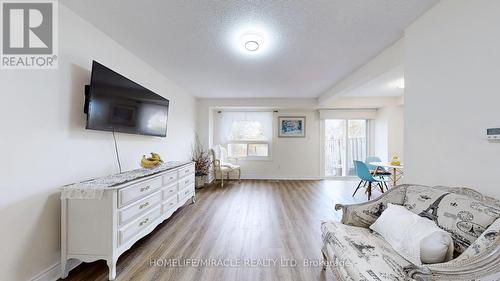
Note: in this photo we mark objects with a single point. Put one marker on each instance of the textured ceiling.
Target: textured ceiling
(309, 45)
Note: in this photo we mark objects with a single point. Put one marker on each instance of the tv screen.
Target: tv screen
(117, 104)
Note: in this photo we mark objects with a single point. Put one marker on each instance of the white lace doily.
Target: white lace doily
(94, 189)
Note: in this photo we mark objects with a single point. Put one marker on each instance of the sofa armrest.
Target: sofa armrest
(481, 259)
(364, 214)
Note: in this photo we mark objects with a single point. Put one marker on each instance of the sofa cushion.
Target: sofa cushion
(462, 216)
(361, 254)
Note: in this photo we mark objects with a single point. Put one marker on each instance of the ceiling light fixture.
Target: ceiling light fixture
(252, 46)
(251, 42)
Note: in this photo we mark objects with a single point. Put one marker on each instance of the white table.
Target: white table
(396, 170)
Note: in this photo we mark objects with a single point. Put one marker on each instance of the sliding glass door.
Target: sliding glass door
(335, 134)
(345, 141)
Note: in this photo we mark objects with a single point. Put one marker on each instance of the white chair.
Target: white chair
(224, 164)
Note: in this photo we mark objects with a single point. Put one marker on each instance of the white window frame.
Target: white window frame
(269, 142)
(252, 158)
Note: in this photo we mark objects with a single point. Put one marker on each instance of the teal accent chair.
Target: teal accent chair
(381, 170)
(364, 174)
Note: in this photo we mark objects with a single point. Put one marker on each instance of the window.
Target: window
(246, 134)
(345, 141)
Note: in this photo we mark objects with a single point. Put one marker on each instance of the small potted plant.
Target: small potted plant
(202, 158)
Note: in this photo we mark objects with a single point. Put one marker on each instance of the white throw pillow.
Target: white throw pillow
(434, 248)
(417, 239)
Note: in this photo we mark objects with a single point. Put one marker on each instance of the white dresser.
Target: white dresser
(105, 227)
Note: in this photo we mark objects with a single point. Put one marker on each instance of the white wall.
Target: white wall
(389, 131)
(292, 158)
(452, 65)
(44, 144)
(296, 158)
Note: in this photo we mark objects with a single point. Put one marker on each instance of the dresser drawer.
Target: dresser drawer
(185, 192)
(169, 178)
(129, 231)
(169, 204)
(135, 209)
(186, 182)
(186, 171)
(170, 191)
(131, 193)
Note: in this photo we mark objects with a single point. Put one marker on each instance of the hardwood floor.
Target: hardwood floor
(255, 230)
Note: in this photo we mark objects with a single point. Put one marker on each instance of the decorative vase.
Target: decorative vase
(201, 181)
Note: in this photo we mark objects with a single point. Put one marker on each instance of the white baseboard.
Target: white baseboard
(54, 272)
(263, 177)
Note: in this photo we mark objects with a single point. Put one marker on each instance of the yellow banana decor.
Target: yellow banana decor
(152, 161)
(395, 161)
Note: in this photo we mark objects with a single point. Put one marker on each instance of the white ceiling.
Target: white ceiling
(311, 44)
(385, 85)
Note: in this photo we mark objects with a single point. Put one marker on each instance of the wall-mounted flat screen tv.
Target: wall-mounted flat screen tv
(117, 104)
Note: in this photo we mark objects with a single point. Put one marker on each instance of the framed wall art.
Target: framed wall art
(291, 126)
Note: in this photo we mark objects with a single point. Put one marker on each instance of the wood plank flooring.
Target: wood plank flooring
(248, 231)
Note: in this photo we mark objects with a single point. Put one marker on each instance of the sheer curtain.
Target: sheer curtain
(255, 126)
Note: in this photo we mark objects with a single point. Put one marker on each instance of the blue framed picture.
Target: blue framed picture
(292, 126)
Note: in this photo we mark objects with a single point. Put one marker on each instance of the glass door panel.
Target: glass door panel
(345, 141)
(335, 130)
(356, 144)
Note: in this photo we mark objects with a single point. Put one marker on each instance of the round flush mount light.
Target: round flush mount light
(251, 42)
(252, 46)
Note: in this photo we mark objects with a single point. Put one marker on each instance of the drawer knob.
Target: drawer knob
(171, 190)
(144, 205)
(144, 222)
(186, 181)
(144, 188)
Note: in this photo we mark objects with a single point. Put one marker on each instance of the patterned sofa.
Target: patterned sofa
(354, 252)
